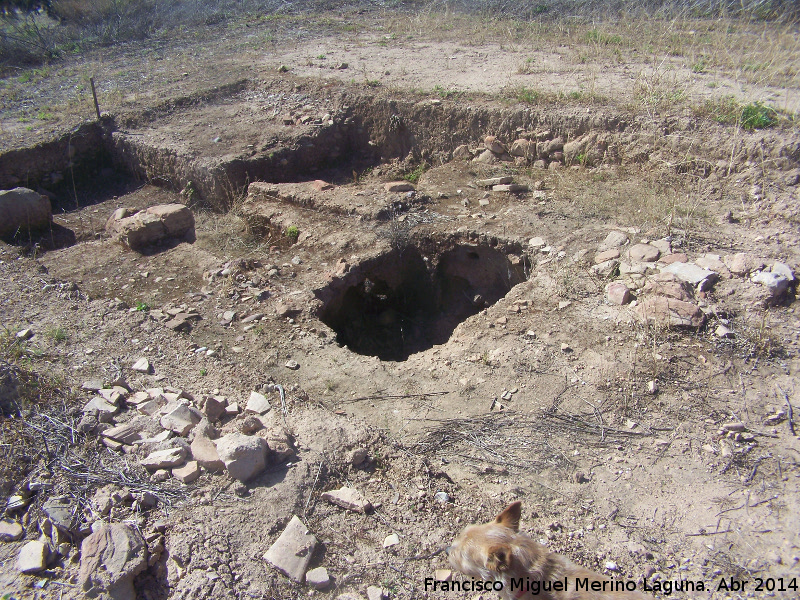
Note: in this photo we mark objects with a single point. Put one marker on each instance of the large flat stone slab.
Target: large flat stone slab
(292, 551)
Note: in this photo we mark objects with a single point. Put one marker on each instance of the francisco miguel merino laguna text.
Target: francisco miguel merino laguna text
(536, 587)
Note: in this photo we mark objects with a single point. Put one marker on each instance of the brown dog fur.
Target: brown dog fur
(497, 551)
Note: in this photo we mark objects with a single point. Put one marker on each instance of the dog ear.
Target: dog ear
(510, 516)
(499, 558)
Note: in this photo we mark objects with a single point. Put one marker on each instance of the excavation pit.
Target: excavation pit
(405, 301)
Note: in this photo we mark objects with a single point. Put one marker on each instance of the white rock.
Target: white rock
(257, 403)
(776, 283)
(142, 365)
(391, 540)
(693, 274)
(32, 558)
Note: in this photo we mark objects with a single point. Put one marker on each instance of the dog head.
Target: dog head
(488, 551)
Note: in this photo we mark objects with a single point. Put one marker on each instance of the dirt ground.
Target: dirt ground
(609, 430)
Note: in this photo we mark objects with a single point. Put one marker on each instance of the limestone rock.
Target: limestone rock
(493, 181)
(291, 552)
(318, 578)
(776, 284)
(348, 498)
(669, 312)
(127, 433)
(257, 403)
(609, 254)
(643, 253)
(187, 473)
(10, 530)
(142, 365)
(487, 157)
(614, 239)
(181, 419)
(204, 451)
(32, 557)
(22, 210)
(163, 459)
(398, 186)
(667, 284)
(152, 226)
(110, 558)
(214, 407)
(377, 593)
(494, 145)
(697, 276)
(522, 148)
(606, 268)
(244, 456)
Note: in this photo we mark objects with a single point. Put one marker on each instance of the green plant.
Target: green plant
(292, 232)
(203, 372)
(142, 307)
(413, 176)
(757, 116)
(320, 57)
(528, 95)
(57, 334)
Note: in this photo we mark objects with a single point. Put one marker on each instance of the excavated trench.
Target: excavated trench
(407, 301)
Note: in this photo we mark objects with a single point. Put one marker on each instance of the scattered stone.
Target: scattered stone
(713, 263)
(358, 456)
(318, 578)
(776, 284)
(257, 403)
(24, 334)
(442, 497)
(618, 293)
(164, 459)
(614, 239)
(742, 263)
(391, 540)
(142, 365)
(611, 566)
(580, 477)
(522, 148)
(21, 210)
(512, 188)
(494, 145)
(609, 254)
(735, 426)
(291, 552)
(462, 152)
(675, 257)
(493, 181)
(398, 186)
(60, 510)
(181, 419)
(537, 242)
(566, 348)
(373, 593)
(652, 387)
(10, 530)
(443, 575)
(349, 499)
(724, 332)
(487, 157)
(187, 473)
(159, 476)
(103, 409)
(127, 433)
(32, 558)
(320, 186)
(111, 557)
(606, 268)
(667, 284)
(214, 407)
(292, 364)
(244, 456)
(204, 451)
(668, 312)
(697, 276)
(643, 253)
(778, 268)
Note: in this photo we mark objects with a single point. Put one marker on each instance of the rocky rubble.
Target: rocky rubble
(143, 229)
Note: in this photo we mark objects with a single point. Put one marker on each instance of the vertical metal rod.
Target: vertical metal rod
(94, 95)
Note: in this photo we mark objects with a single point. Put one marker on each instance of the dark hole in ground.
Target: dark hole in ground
(402, 303)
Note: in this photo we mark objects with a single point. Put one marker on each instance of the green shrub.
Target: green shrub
(757, 116)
